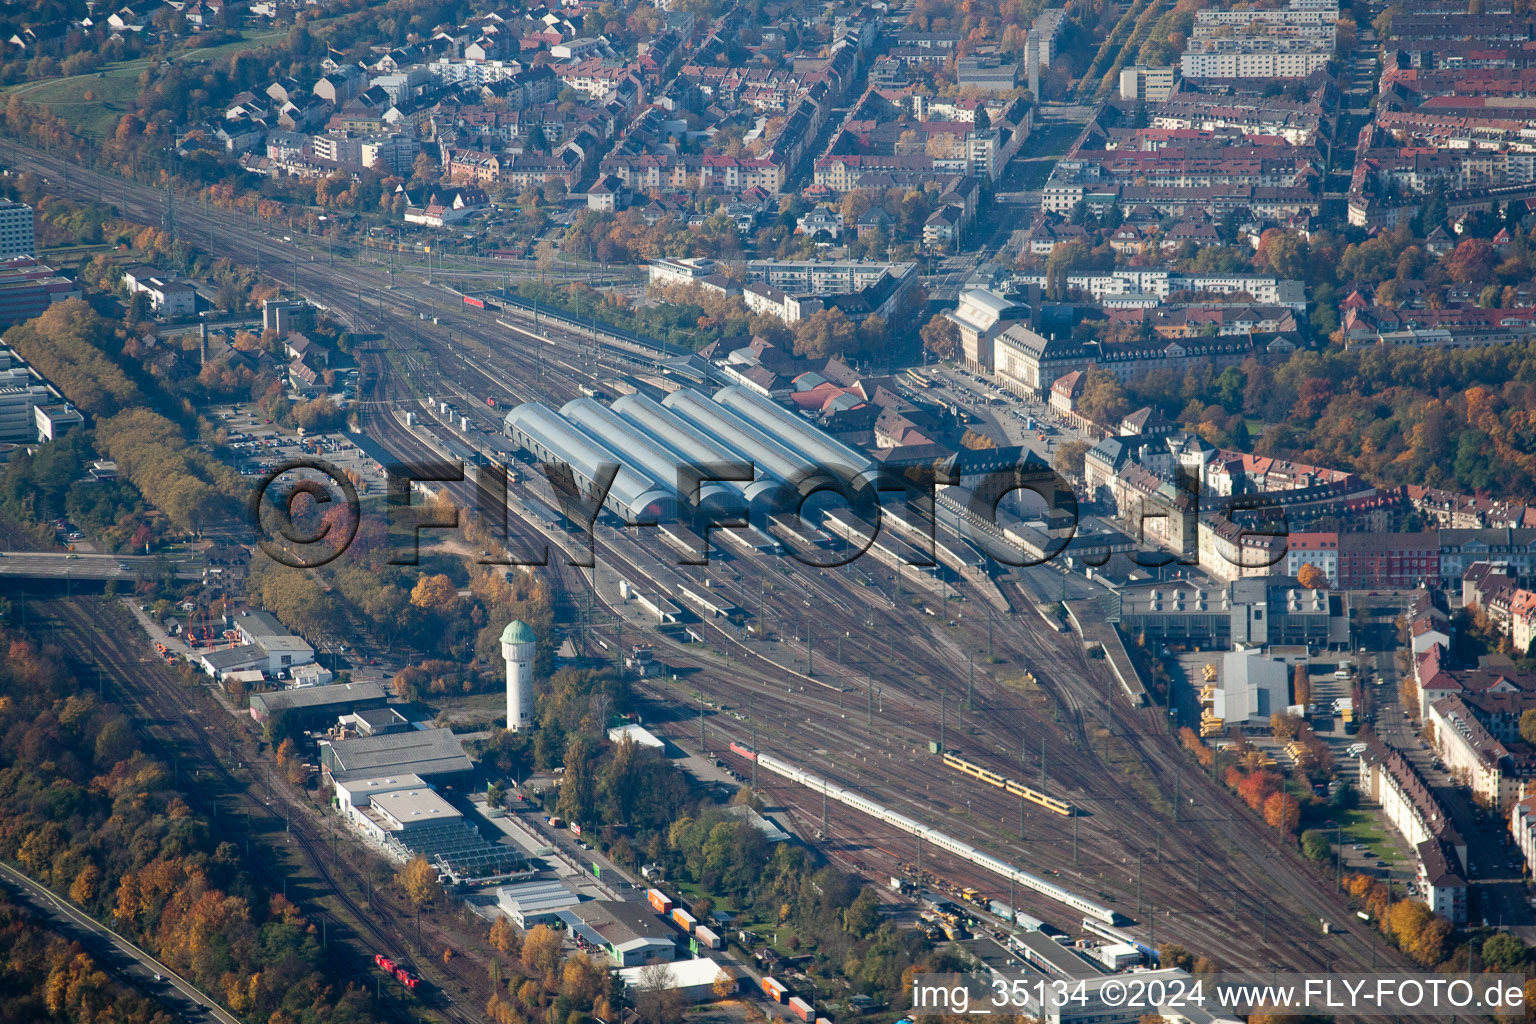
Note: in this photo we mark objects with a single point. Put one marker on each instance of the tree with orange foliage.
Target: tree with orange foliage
(1312, 578)
(1257, 788)
(504, 937)
(435, 592)
(1282, 812)
(541, 949)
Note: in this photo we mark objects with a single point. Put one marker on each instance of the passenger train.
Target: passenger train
(932, 835)
(1034, 796)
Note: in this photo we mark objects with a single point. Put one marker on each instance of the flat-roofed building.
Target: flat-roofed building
(433, 754)
(541, 901)
(312, 706)
(980, 317)
(695, 981)
(17, 230)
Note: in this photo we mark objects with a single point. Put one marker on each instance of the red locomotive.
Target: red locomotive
(395, 971)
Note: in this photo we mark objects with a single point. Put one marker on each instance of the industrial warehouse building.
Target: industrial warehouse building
(406, 816)
(659, 446)
(695, 981)
(630, 933)
(542, 901)
(1253, 687)
(311, 707)
(265, 646)
(433, 754)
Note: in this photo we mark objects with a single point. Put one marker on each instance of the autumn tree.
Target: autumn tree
(1103, 399)
(420, 881)
(941, 337)
(581, 979)
(1472, 262)
(1257, 788)
(826, 332)
(657, 1000)
(504, 938)
(1312, 578)
(1528, 726)
(1301, 684)
(541, 950)
(1282, 812)
(1069, 458)
(435, 592)
(1173, 955)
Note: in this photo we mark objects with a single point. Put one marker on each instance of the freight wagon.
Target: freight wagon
(660, 901)
(684, 920)
(774, 990)
(708, 938)
(800, 1008)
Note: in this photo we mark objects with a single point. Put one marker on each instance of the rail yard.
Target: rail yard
(1054, 768)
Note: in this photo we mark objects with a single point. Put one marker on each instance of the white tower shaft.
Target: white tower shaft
(519, 659)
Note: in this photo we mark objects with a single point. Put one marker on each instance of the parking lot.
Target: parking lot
(258, 445)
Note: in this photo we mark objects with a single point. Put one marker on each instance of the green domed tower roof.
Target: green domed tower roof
(518, 632)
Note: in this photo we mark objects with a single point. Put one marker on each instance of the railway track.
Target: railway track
(176, 738)
(912, 676)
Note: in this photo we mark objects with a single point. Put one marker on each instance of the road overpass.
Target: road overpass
(64, 569)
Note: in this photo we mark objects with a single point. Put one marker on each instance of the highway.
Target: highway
(1251, 898)
(131, 963)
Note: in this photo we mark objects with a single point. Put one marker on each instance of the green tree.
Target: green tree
(1504, 952)
(1528, 726)
(1315, 845)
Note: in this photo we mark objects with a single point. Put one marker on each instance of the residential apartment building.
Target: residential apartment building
(1151, 84)
(17, 231)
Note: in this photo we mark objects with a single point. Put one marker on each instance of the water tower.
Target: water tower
(517, 649)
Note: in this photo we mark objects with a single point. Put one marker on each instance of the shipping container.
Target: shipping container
(823, 1020)
(660, 902)
(708, 938)
(800, 1008)
(775, 991)
(684, 920)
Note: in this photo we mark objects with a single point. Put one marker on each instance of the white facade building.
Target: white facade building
(17, 230)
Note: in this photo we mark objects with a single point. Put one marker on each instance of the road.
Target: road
(1256, 896)
(131, 963)
(1496, 890)
(61, 566)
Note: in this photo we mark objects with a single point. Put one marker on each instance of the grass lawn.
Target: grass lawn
(1364, 828)
(115, 86)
